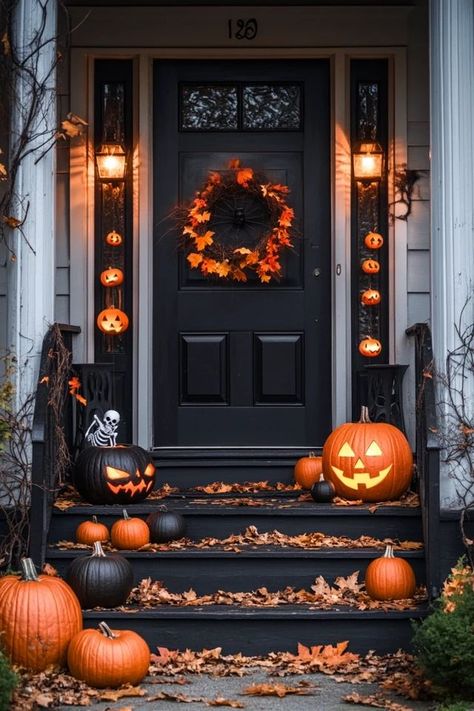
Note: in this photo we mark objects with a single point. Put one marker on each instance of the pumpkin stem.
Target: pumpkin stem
(94, 519)
(364, 415)
(98, 550)
(106, 631)
(388, 552)
(125, 514)
(28, 570)
(163, 508)
(311, 455)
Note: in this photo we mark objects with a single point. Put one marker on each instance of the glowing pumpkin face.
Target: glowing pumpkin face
(370, 266)
(114, 239)
(370, 347)
(114, 475)
(370, 297)
(111, 277)
(373, 240)
(368, 460)
(112, 321)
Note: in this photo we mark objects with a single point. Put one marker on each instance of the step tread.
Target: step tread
(257, 552)
(228, 612)
(202, 506)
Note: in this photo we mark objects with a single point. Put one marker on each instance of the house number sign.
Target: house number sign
(242, 29)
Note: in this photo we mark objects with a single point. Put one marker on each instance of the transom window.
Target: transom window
(241, 107)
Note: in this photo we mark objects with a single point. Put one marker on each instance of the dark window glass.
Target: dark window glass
(271, 107)
(209, 107)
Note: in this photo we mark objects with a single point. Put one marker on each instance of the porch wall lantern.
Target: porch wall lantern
(111, 162)
(367, 161)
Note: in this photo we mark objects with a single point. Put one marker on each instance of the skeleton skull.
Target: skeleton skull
(111, 420)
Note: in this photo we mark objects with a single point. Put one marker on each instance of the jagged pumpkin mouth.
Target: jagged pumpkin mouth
(130, 486)
(361, 478)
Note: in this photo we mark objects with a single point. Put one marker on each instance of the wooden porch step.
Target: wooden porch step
(211, 516)
(262, 630)
(207, 571)
(190, 466)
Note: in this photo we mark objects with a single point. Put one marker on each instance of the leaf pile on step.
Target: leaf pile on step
(345, 592)
(252, 538)
(246, 487)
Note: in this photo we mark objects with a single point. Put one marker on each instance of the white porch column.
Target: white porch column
(452, 165)
(31, 274)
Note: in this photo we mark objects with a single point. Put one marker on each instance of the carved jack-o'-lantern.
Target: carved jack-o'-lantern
(113, 276)
(112, 321)
(114, 239)
(114, 475)
(370, 347)
(373, 240)
(370, 266)
(371, 297)
(368, 460)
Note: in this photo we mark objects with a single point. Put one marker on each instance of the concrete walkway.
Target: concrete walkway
(327, 696)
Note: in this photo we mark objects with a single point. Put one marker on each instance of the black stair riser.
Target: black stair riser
(186, 476)
(237, 573)
(212, 520)
(258, 635)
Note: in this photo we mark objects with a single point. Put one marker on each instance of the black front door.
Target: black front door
(242, 364)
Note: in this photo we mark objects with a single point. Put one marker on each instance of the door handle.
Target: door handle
(316, 271)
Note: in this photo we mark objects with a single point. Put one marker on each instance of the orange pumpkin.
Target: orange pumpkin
(390, 578)
(112, 321)
(368, 460)
(89, 532)
(308, 470)
(114, 239)
(373, 240)
(113, 276)
(371, 297)
(370, 266)
(129, 533)
(39, 615)
(108, 657)
(370, 347)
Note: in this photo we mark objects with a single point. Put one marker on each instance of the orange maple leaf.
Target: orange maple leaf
(242, 250)
(209, 266)
(214, 178)
(280, 188)
(251, 258)
(223, 268)
(239, 275)
(44, 379)
(234, 164)
(74, 383)
(194, 259)
(286, 217)
(265, 278)
(203, 216)
(243, 177)
(203, 240)
(189, 230)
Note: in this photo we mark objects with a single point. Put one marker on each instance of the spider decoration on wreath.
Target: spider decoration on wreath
(238, 224)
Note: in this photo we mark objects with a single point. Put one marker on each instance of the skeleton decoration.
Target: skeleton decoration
(103, 433)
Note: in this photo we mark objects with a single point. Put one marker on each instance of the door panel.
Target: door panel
(242, 364)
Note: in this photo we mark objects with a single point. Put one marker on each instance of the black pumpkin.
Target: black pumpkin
(123, 474)
(165, 525)
(101, 580)
(323, 491)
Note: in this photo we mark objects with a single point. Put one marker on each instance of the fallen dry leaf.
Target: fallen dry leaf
(280, 690)
(376, 700)
(123, 692)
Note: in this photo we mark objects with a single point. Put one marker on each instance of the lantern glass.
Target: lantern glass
(110, 159)
(368, 161)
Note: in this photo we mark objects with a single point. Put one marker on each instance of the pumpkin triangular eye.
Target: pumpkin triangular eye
(346, 450)
(373, 450)
(113, 473)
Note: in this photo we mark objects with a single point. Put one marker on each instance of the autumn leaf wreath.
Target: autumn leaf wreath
(238, 204)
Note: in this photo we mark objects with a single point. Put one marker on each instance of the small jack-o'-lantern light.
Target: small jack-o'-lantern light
(114, 239)
(367, 161)
(123, 474)
(368, 460)
(370, 266)
(370, 347)
(373, 240)
(371, 297)
(113, 276)
(112, 321)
